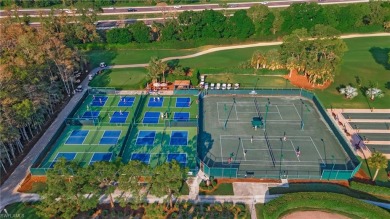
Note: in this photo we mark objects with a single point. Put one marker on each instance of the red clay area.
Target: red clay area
(28, 182)
(301, 81)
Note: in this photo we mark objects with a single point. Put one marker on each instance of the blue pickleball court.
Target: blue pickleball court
(119, 117)
(184, 116)
(156, 102)
(90, 115)
(179, 138)
(110, 137)
(67, 155)
(97, 157)
(180, 158)
(126, 101)
(151, 117)
(141, 157)
(99, 100)
(146, 138)
(183, 102)
(77, 137)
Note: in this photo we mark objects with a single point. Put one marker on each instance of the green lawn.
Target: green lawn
(21, 210)
(366, 58)
(121, 78)
(132, 56)
(223, 189)
(382, 175)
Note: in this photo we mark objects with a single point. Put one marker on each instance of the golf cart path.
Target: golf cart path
(8, 191)
(221, 48)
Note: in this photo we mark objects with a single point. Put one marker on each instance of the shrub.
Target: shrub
(376, 190)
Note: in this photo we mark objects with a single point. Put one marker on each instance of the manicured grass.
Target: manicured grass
(223, 189)
(322, 201)
(366, 58)
(249, 81)
(37, 187)
(381, 179)
(132, 56)
(259, 210)
(323, 187)
(21, 210)
(122, 78)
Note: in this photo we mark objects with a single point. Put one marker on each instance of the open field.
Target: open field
(121, 78)
(366, 59)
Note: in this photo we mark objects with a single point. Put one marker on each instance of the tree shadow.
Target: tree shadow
(101, 79)
(381, 56)
(387, 85)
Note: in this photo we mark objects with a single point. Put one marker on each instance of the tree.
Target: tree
(156, 67)
(105, 174)
(119, 35)
(241, 26)
(167, 179)
(141, 32)
(377, 161)
(67, 191)
(349, 92)
(130, 179)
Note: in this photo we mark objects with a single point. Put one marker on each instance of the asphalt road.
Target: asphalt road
(159, 9)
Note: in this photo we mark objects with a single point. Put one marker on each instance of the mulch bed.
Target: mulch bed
(28, 182)
(338, 182)
(301, 81)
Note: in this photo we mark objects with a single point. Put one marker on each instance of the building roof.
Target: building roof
(182, 83)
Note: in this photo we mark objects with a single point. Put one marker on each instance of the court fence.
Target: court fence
(35, 168)
(328, 172)
(102, 90)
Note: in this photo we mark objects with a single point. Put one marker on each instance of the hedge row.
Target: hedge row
(376, 190)
(326, 201)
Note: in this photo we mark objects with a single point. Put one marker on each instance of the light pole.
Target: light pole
(302, 122)
(331, 172)
(281, 157)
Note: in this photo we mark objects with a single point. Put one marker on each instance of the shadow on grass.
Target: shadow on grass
(381, 56)
(102, 79)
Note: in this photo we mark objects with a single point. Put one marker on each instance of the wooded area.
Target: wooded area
(38, 68)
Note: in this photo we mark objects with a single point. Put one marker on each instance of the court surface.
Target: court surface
(294, 140)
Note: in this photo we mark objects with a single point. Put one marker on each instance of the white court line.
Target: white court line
(279, 112)
(255, 112)
(297, 112)
(235, 108)
(295, 150)
(315, 146)
(243, 149)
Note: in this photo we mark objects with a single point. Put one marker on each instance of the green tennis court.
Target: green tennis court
(264, 136)
(86, 141)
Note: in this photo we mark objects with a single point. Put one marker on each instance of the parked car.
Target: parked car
(206, 86)
(79, 88)
(236, 86)
(90, 77)
(131, 9)
(223, 86)
(103, 65)
(201, 84)
(212, 86)
(229, 86)
(202, 78)
(218, 86)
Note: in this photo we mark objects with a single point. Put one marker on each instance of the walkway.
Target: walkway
(8, 191)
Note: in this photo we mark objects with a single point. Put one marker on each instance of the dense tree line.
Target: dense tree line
(37, 74)
(259, 21)
(71, 189)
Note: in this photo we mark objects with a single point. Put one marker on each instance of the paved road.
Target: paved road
(8, 191)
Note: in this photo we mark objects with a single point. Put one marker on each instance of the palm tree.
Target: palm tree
(377, 161)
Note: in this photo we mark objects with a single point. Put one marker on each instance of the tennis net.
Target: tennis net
(257, 108)
(271, 153)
